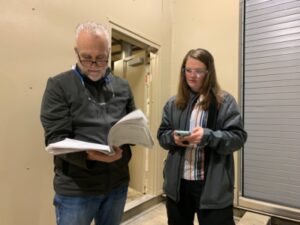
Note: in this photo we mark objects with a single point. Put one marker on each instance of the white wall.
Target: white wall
(37, 40)
(212, 25)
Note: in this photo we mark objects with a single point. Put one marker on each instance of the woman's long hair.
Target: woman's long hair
(210, 88)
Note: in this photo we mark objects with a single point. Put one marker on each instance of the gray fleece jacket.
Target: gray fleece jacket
(223, 135)
(69, 110)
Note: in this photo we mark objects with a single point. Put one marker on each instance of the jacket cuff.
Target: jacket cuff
(205, 139)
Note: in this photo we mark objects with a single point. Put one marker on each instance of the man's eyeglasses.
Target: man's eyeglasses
(89, 62)
(197, 72)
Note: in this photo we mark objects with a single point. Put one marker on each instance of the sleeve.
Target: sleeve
(131, 104)
(57, 122)
(165, 130)
(55, 116)
(231, 135)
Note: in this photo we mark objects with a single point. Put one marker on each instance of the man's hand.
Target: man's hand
(99, 156)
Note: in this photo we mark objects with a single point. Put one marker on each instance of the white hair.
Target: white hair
(93, 28)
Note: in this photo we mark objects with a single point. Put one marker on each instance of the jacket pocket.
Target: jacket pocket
(218, 187)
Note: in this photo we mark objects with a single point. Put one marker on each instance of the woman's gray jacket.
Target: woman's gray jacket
(223, 135)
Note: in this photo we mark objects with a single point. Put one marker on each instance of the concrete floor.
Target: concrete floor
(154, 216)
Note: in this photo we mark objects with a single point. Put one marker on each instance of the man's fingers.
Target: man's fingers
(98, 156)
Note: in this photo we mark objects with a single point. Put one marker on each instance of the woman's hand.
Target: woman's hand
(196, 136)
(193, 139)
(181, 140)
(99, 156)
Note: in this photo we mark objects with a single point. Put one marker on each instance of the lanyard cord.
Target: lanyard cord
(106, 79)
(78, 74)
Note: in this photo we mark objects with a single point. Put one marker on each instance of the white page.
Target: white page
(131, 129)
(70, 145)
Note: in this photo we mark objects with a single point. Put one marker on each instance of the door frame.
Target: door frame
(243, 202)
(153, 169)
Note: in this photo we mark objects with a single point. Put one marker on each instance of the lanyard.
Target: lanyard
(78, 74)
(106, 79)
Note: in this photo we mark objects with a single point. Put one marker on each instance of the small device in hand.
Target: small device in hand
(182, 133)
